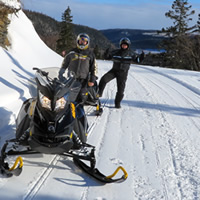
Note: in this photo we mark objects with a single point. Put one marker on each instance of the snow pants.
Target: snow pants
(121, 77)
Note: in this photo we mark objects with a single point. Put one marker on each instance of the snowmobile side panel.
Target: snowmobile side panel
(24, 117)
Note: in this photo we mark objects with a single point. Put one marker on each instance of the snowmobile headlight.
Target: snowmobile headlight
(45, 102)
(60, 103)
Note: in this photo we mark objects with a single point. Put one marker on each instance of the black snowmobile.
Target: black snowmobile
(93, 98)
(53, 123)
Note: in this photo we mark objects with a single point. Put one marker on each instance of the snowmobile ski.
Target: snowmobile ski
(16, 169)
(95, 173)
(99, 110)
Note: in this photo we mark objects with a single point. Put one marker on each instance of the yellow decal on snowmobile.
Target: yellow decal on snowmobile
(18, 160)
(32, 107)
(86, 134)
(73, 109)
(120, 167)
(30, 133)
(71, 135)
(97, 108)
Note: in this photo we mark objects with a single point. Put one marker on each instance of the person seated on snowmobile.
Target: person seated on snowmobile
(81, 60)
(122, 59)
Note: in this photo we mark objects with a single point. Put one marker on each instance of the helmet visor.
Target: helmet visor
(83, 41)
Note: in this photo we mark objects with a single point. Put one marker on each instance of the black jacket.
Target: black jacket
(82, 63)
(122, 58)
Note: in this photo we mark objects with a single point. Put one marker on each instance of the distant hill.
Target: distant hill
(48, 30)
(140, 39)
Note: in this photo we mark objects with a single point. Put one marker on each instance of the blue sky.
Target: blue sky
(105, 14)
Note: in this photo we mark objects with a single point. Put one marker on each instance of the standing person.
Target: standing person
(82, 62)
(122, 59)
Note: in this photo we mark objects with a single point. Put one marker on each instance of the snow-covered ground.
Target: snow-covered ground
(155, 136)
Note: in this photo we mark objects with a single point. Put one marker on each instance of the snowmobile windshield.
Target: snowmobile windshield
(52, 73)
(48, 78)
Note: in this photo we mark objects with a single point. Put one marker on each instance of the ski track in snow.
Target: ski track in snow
(147, 145)
(35, 187)
(179, 145)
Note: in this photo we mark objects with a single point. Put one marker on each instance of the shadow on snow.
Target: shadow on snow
(6, 130)
(192, 112)
(165, 108)
(22, 79)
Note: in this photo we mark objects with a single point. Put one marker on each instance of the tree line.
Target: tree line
(67, 39)
(183, 41)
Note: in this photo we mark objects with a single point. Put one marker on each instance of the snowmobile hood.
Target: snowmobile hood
(49, 86)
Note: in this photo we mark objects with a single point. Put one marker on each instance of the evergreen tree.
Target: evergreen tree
(66, 36)
(198, 24)
(179, 44)
(180, 14)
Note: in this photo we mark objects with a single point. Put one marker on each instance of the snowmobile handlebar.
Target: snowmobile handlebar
(71, 74)
(43, 73)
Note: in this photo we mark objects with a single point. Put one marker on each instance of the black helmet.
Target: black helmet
(83, 37)
(125, 40)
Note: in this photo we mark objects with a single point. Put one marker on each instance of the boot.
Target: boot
(118, 99)
(117, 105)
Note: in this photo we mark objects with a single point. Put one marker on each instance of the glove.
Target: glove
(107, 54)
(142, 56)
(60, 75)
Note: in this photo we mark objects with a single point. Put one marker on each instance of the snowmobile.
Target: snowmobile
(53, 122)
(93, 98)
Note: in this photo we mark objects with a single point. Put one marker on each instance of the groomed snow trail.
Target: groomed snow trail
(154, 136)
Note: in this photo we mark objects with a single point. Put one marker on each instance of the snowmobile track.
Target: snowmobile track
(38, 184)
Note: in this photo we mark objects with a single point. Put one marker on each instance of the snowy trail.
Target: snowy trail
(154, 136)
(158, 151)
(174, 133)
